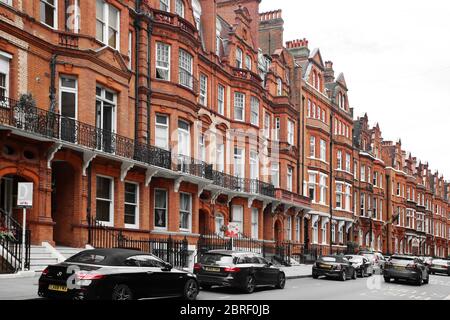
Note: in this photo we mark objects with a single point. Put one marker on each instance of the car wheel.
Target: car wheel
(191, 290)
(387, 279)
(250, 285)
(343, 276)
(354, 276)
(281, 281)
(122, 292)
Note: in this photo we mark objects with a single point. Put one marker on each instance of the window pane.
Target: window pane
(68, 104)
(103, 188)
(130, 214)
(103, 210)
(130, 193)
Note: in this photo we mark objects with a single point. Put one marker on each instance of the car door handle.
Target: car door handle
(150, 272)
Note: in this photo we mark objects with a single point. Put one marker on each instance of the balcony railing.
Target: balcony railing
(54, 126)
(174, 20)
(193, 167)
(68, 40)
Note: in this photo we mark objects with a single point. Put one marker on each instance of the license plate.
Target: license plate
(53, 287)
(325, 266)
(399, 267)
(212, 269)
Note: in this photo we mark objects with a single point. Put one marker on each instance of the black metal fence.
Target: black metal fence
(170, 250)
(11, 247)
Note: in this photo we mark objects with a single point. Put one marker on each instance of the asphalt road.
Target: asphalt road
(372, 288)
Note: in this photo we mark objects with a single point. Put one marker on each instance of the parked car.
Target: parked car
(116, 274)
(376, 258)
(333, 266)
(362, 265)
(241, 270)
(440, 266)
(406, 268)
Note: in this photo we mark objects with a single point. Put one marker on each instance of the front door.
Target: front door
(6, 195)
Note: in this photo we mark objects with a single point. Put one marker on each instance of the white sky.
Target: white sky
(395, 55)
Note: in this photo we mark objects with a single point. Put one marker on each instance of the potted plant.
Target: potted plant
(6, 234)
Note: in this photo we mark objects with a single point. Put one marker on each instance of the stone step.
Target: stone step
(35, 256)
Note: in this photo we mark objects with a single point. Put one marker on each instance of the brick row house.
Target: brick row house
(175, 118)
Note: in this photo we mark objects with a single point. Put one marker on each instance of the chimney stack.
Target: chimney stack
(329, 72)
(299, 48)
(271, 29)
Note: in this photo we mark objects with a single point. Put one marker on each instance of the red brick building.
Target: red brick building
(174, 118)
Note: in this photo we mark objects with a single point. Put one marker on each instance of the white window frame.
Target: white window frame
(188, 212)
(279, 87)
(203, 98)
(267, 126)
(277, 129)
(339, 195)
(164, 5)
(220, 157)
(221, 99)
(289, 180)
(239, 162)
(185, 66)
(5, 61)
(255, 223)
(106, 26)
(291, 136)
(184, 135)
(288, 228)
(55, 12)
(179, 8)
(239, 58)
(136, 210)
(166, 209)
(312, 147)
(239, 103)
(323, 150)
(254, 111)
(339, 159)
(275, 174)
(248, 62)
(240, 222)
(110, 222)
(162, 63)
(63, 89)
(162, 127)
(323, 188)
(130, 49)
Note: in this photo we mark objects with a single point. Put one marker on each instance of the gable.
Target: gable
(316, 57)
(113, 58)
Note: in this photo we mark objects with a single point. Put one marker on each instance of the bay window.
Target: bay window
(185, 61)
(275, 170)
(277, 129)
(323, 188)
(339, 160)
(254, 104)
(289, 178)
(323, 150)
(179, 8)
(203, 90)
(162, 131)
(312, 147)
(162, 61)
(291, 127)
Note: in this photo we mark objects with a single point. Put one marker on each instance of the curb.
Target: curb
(298, 277)
(19, 275)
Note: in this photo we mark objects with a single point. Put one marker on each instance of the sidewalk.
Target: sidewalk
(19, 288)
(298, 272)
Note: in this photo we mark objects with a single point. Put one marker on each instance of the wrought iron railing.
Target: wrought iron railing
(11, 247)
(193, 167)
(68, 40)
(54, 126)
(170, 250)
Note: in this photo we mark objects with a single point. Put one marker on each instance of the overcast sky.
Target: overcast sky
(395, 55)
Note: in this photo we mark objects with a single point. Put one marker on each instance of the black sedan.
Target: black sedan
(116, 274)
(440, 266)
(333, 266)
(409, 268)
(241, 270)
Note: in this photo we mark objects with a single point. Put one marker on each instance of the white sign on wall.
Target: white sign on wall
(25, 195)
(233, 230)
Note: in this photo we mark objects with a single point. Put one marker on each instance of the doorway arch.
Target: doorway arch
(278, 231)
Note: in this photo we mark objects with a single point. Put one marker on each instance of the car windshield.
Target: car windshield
(328, 259)
(89, 258)
(216, 259)
(402, 260)
(441, 262)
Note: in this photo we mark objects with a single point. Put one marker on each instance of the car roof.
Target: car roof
(113, 257)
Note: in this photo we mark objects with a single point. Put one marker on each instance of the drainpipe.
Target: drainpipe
(331, 179)
(149, 80)
(89, 197)
(53, 83)
(137, 27)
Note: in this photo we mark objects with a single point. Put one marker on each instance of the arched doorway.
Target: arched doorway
(278, 231)
(63, 202)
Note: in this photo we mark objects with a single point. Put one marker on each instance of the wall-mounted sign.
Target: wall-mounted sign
(25, 195)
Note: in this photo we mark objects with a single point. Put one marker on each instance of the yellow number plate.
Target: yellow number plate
(213, 269)
(325, 266)
(53, 287)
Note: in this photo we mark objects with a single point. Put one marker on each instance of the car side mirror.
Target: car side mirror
(269, 264)
(167, 267)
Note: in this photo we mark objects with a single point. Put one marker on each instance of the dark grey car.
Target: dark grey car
(406, 268)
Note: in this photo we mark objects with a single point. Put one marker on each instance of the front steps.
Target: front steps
(42, 256)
